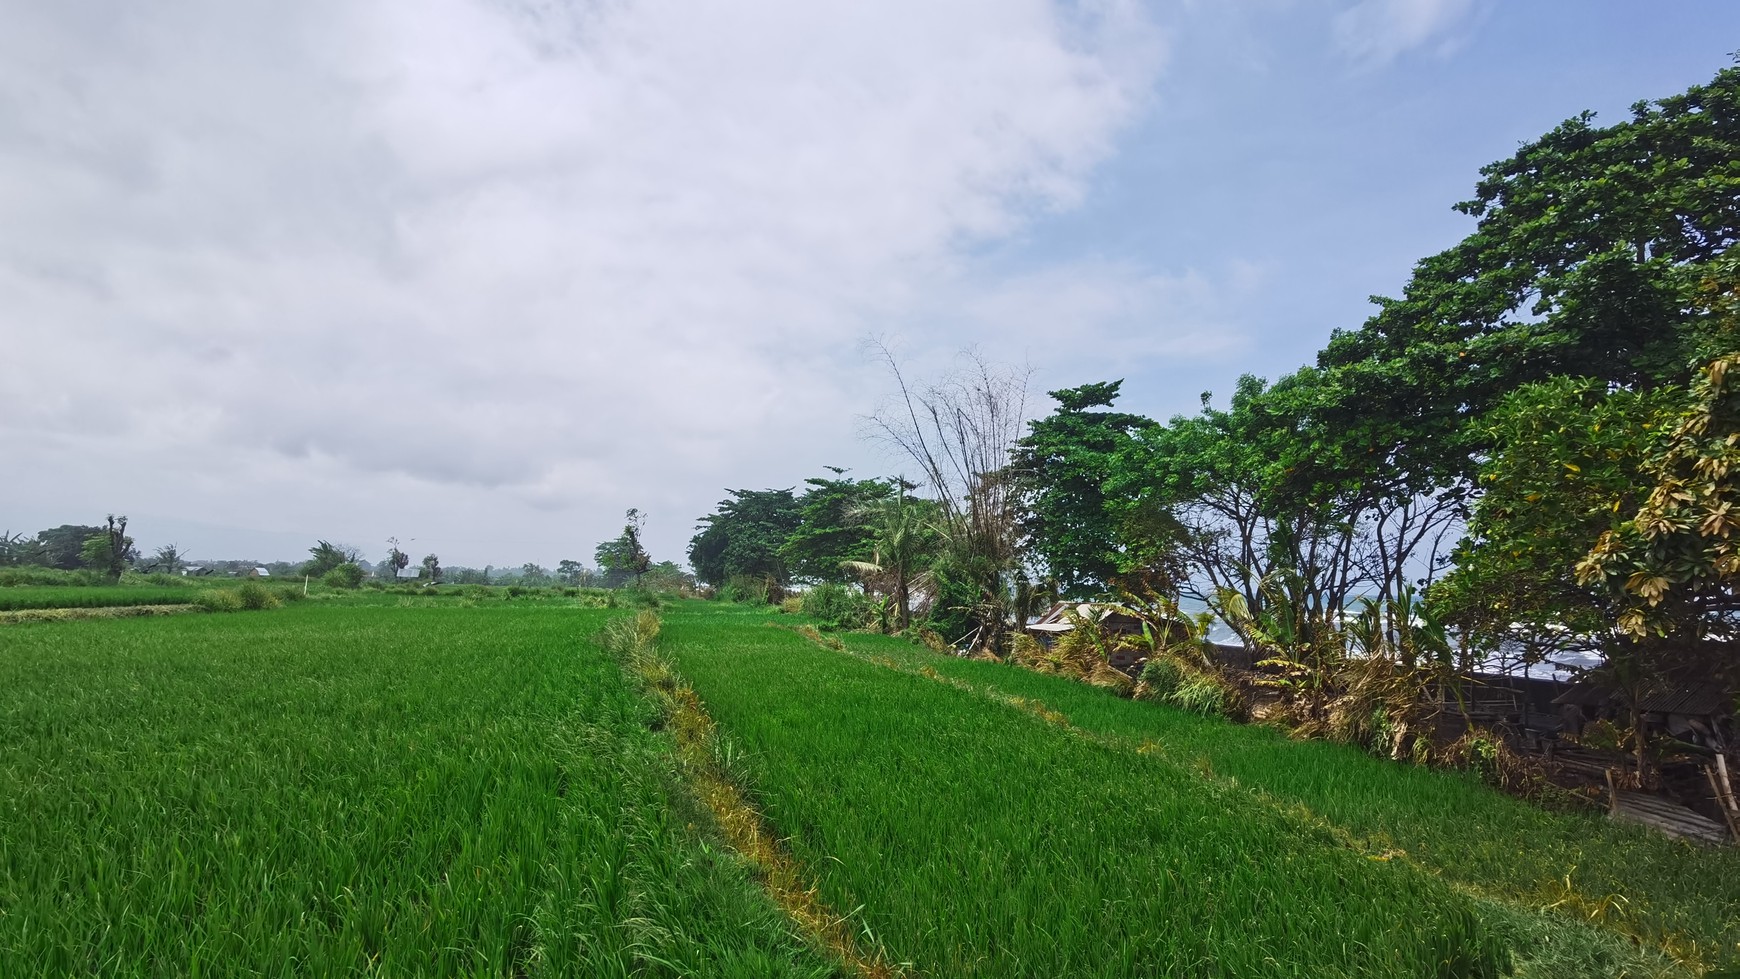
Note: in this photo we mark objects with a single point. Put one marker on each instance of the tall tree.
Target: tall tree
(431, 570)
(1062, 467)
(109, 549)
(745, 535)
(904, 536)
(63, 547)
(1566, 474)
(397, 560)
(827, 535)
(168, 559)
(1586, 260)
(324, 556)
(625, 557)
(960, 431)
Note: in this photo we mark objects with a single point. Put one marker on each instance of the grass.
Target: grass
(328, 790)
(394, 782)
(1679, 896)
(977, 839)
(85, 596)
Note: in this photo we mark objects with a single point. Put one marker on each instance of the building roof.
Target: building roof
(1062, 616)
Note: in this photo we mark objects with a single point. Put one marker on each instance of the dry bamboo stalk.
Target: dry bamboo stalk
(1725, 795)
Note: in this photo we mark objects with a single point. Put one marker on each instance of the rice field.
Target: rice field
(322, 791)
(85, 596)
(980, 840)
(385, 783)
(1677, 895)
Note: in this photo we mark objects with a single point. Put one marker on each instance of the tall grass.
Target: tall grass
(980, 840)
(76, 596)
(354, 791)
(1678, 896)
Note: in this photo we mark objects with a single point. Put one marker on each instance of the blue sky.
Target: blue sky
(486, 273)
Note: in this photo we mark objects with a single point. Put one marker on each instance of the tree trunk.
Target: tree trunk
(1641, 755)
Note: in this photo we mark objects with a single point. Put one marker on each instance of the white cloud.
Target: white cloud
(1377, 31)
(467, 264)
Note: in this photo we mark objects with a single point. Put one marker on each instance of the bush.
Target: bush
(254, 596)
(1167, 679)
(836, 607)
(220, 600)
(751, 590)
(346, 575)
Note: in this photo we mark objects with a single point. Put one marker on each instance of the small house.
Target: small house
(1112, 619)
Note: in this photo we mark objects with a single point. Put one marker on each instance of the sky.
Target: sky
(480, 275)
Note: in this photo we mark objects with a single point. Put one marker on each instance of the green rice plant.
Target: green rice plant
(1677, 897)
(356, 790)
(31, 575)
(978, 839)
(75, 596)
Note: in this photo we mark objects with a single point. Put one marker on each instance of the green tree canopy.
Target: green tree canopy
(1588, 254)
(624, 557)
(324, 556)
(63, 547)
(1062, 466)
(744, 536)
(827, 535)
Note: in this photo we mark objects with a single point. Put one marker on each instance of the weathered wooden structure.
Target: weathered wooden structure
(1112, 620)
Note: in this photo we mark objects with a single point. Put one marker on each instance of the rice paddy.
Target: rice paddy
(320, 790)
(410, 784)
(1680, 896)
(74, 596)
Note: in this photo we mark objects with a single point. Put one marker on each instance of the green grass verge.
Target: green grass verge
(1679, 896)
(354, 791)
(978, 840)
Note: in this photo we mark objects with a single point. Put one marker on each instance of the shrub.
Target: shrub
(515, 591)
(752, 590)
(836, 606)
(346, 575)
(791, 605)
(254, 596)
(1170, 680)
(220, 600)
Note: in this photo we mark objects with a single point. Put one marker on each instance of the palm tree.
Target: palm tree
(903, 539)
(168, 559)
